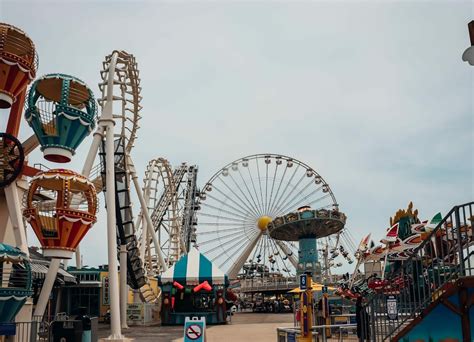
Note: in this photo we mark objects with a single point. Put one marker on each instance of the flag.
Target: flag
(392, 234)
(363, 243)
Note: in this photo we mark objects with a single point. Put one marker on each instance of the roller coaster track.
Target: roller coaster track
(190, 208)
(177, 201)
(127, 92)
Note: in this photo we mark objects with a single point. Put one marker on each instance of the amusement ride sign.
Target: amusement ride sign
(105, 291)
(303, 282)
(392, 309)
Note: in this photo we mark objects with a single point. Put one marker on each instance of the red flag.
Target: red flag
(392, 234)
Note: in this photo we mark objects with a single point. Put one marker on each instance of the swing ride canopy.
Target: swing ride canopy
(192, 269)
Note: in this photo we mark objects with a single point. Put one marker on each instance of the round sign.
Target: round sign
(193, 332)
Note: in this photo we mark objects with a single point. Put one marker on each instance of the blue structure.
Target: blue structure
(62, 111)
(15, 281)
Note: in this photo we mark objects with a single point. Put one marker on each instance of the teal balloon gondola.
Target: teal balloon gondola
(62, 111)
(16, 281)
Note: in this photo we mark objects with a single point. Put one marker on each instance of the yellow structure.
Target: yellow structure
(315, 287)
(262, 222)
(306, 312)
(105, 292)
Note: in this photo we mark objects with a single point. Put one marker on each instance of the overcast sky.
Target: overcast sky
(372, 95)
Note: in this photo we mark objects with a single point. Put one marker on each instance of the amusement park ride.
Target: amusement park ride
(236, 208)
(262, 216)
(242, 205)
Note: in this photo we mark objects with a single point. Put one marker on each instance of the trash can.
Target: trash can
(94, 328)
(67, 331)
(86, 326)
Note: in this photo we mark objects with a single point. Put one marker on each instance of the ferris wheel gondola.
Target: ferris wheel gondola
(242, 198)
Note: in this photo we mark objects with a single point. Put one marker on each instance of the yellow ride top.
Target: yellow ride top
(262, 222)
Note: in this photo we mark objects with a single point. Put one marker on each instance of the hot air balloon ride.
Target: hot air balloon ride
(18, 63)
(61, 207)
(15, 281)
(62, 111)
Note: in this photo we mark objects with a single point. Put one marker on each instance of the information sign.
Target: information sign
(392, 309)
(303, 282)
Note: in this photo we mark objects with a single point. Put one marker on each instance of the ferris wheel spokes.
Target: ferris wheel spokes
(253, 209)
(240, 261)
(234, 217)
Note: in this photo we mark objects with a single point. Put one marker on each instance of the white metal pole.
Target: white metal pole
(123, 286)
(385, 263)
(16, 217)
(112, 232)
(144, 239)
(86, 170)
(47, 287)
(91, 155)
(237, 266)
(145, 212)
(106, 120)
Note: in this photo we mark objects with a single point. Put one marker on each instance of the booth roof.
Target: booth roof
(192, 269)
(8, 252)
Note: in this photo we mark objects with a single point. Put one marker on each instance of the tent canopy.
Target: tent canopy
(193, 269)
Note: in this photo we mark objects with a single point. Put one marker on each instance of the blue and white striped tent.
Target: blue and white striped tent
(193, 269)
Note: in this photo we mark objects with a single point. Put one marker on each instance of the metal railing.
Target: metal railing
(266, 285)
(445, 255)
(322, 333)
(34, 331)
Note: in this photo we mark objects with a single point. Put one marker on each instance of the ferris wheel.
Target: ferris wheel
(243, 197)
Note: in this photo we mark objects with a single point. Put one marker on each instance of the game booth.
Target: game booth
(193, 287)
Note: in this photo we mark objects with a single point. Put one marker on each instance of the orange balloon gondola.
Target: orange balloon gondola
(18, 63)
(61, 207)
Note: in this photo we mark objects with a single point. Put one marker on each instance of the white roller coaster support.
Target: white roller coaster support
(47, 287)
(106, 120)
(123, 286)
(86, 170)
(16, 218)
(291, 256)
(145, 235)
(143, 204)
(239, 263)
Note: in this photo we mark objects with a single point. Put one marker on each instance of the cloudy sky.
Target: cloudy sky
(372, 95)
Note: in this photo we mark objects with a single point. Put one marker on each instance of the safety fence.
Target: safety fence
(34, 331)
(47, 329)
(445, 256)
(268, 285)
(321, 333)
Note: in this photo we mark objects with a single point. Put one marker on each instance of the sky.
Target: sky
(373, 95)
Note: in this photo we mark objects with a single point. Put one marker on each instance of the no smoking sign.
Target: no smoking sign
(194, 332)
(194, 329)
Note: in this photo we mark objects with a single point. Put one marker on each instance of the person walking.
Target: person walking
(362, 320)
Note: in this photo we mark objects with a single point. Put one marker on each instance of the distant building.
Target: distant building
(90, 292)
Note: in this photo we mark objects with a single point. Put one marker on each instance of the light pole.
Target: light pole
(468, 55)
